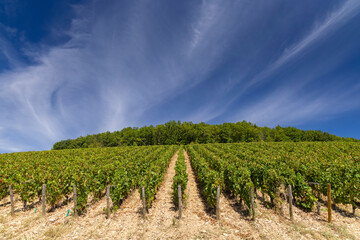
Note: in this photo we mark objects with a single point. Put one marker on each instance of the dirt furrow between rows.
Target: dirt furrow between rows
(198, 222)
(162, 214)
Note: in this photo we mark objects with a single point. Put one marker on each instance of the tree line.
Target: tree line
(176, 132)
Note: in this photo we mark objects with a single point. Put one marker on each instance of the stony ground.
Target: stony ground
(198, 220)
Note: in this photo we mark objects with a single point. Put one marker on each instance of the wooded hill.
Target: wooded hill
(176, 132)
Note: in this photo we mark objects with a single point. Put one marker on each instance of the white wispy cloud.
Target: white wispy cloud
(321, 30)
(7, 50)
(286, 107)
(209, 14)
(104, 77)
(282, 107)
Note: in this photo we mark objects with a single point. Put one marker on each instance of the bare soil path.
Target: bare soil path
(161, 217)
(29, 224)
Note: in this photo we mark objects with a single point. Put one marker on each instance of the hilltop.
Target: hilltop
(176, 132)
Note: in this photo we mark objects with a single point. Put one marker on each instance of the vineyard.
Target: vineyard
(91, 171)
(238, 169)
(267, 166)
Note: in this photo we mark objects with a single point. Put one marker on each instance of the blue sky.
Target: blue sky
(71, 68)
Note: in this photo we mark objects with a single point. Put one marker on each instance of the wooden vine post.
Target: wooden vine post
(180, 201)
(108, 202)
(75, 201)
(282, 186)
(354, 209)
(43, 199)
(318, 201)
(218, 203)
(291, 204)
(12, 211)
(143, 201)
(252, 200)
(329, 201)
